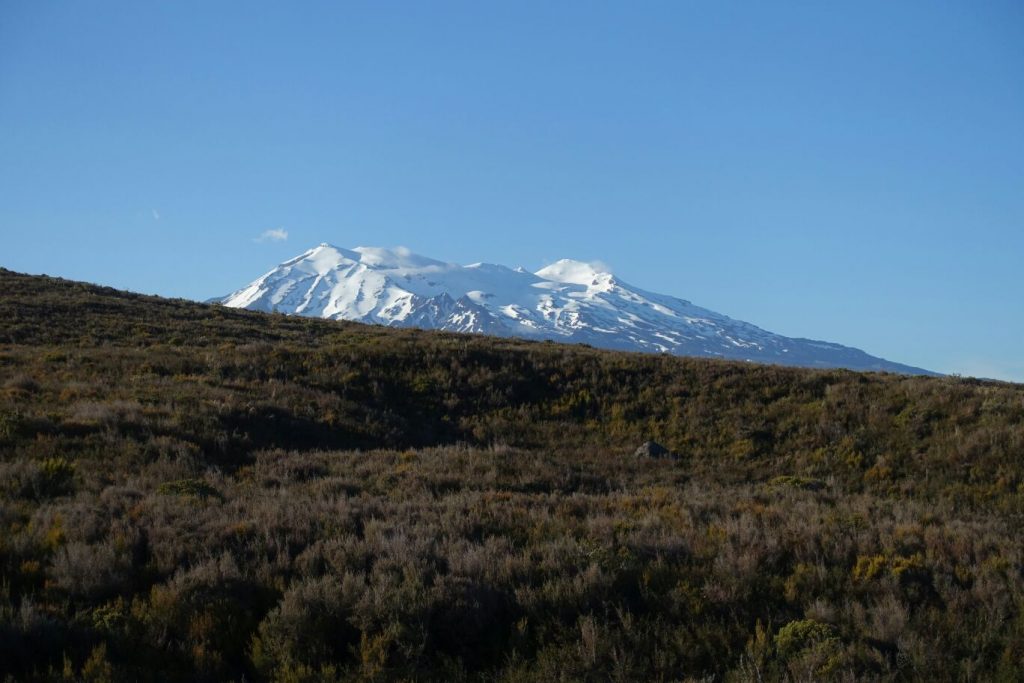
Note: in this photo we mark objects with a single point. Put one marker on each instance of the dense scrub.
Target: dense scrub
(194, 493)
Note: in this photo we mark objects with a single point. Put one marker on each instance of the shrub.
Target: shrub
(797, 482)
(194, 488)
(310, 628)
(804, 634)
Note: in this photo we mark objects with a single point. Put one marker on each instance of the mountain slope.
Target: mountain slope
(567, 301)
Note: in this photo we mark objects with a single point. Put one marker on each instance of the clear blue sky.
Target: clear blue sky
(852, 173)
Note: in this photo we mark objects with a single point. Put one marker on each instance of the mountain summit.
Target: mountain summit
(570, 301)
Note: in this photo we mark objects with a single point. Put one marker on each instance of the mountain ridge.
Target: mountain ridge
(568, 300)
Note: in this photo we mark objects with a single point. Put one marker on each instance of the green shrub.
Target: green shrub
(56, 477)
(802, 635)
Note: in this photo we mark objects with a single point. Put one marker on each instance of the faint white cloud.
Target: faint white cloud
(156, 215)
(596, 265)
(274, 235)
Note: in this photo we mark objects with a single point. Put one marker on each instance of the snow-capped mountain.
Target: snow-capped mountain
(567, 301)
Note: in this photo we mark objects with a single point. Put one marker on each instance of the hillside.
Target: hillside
(193, 492)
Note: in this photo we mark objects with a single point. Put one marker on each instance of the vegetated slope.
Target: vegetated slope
(567, 301)
(196, 493)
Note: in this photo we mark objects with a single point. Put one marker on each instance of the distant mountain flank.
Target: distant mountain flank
(569, 301)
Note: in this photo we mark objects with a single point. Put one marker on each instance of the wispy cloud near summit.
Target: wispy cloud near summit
(274, 235)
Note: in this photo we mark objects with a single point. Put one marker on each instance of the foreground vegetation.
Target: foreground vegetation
(194, 493)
